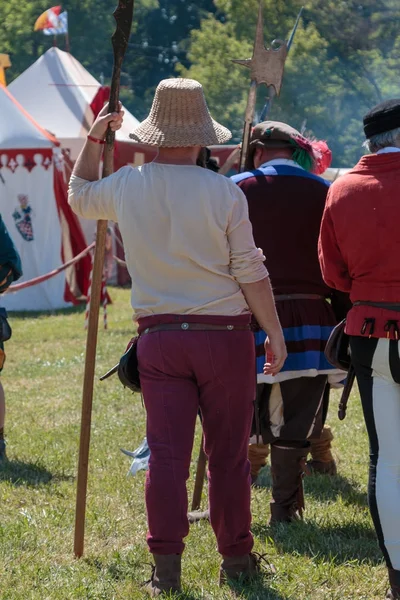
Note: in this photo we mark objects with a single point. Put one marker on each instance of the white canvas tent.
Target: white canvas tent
(58, 91)
(34, 208)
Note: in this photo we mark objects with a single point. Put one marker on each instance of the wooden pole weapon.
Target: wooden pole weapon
(200, 474)
(123, 15)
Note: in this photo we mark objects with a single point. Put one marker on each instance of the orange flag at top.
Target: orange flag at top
(48, 19)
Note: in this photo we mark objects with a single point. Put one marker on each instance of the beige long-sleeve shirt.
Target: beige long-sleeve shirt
(187, 236)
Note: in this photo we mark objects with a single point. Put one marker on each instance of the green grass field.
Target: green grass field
(332, 555)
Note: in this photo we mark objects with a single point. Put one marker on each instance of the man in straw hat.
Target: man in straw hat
(286, 201)
(196, 275)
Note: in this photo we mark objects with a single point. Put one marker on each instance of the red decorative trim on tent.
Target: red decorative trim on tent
(12, 159)
(36, 280)
(76, 237)
(102, 96)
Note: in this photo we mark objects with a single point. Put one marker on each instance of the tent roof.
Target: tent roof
(18, 130)
(57, 91)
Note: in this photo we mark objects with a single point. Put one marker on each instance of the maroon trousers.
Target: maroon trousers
(181, 372)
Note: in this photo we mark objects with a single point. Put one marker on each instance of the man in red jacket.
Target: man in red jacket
(359, 252)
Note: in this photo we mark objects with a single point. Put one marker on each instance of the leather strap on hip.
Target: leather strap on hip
(280, 297)
(195, 327)
(395, 306)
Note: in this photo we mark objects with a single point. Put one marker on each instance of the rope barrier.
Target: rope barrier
(36, 280)
(104, 297)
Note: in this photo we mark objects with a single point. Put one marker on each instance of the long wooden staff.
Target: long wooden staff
(123, 15)
(200, 474)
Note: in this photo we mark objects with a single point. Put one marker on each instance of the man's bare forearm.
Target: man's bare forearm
(260, 299)
(88, 162)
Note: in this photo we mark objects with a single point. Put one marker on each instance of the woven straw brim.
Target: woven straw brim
(181, 136)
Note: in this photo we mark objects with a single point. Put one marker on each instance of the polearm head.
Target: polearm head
(267, 107)
(267, 64)
(266, 67)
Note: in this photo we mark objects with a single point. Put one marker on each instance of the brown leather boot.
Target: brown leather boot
(287, 469)
(394, 580)
(166, 576)
(322, 460)
(238, 567)
(258, 454)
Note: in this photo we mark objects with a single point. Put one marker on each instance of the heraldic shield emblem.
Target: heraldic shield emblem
(22, 218)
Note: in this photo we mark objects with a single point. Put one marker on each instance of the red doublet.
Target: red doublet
(359, 246)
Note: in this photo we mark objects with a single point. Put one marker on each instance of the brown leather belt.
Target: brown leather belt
(280, 297)
(195, 327)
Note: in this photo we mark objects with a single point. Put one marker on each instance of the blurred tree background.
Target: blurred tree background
(345, 58)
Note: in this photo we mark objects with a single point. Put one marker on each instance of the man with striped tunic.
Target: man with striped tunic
(286, 202)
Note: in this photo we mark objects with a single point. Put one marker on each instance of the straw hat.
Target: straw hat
(179, 117)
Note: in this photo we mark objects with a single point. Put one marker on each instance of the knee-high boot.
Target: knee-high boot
(287, 469)
(258, 454)
(322, 460)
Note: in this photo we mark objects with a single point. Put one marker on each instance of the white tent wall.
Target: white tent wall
(31, 193)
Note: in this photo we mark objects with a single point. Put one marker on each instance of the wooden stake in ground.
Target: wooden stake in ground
(123, 16)
(200, 474)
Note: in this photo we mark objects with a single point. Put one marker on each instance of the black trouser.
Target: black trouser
(377, 366)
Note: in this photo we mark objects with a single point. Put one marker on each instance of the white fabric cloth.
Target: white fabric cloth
(386, 409)
(388, 150)
(187, 236)
(335, 376)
